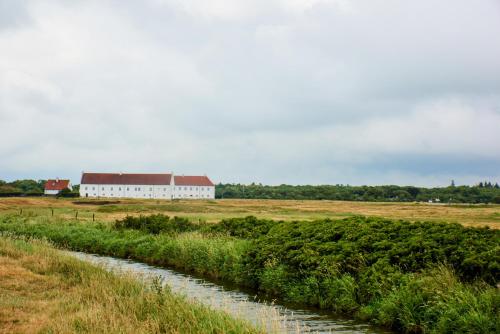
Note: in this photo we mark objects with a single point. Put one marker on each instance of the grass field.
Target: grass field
(45, 291)
(214, 210)
(411, 277)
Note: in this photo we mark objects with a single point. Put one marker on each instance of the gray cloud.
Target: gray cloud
(301, 91)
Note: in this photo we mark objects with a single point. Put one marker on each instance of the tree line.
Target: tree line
(29, 187)
(484, 192)
(22, 188)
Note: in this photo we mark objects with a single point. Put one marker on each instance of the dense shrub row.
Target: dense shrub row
(354, 245)
(390, 273)
(156, 224)
(247, 228)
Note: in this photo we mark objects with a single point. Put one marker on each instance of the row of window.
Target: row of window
(178, 196)
(151, 189)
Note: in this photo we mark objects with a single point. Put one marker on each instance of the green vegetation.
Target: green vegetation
(31, 188)
(420, 277)
(46, 291)
(156, 223)
(482, 193)
(22, 187)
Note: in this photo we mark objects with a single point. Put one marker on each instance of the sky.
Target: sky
(267, 91)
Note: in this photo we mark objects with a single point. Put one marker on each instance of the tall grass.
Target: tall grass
(216, 257)
(93, 300)
(287, 261)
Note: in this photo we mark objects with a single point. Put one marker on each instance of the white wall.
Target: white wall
(126, 191)
(51, 192)
(194, 192)
(147, 191)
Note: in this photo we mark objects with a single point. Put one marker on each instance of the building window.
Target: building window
(164, 189)
(102, 189)
(190, 188)
(127, 188)
(140, 189)
(201, 189)
(150, 189)
(185, 188)
(85, 188)
(111, 188)
(93, 188)
(119, 188)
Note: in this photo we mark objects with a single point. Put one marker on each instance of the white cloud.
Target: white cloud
(273, 91)
(448, 126)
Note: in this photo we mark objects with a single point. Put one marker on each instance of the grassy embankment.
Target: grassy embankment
(411, 277)
(214, 211)
(43, 290)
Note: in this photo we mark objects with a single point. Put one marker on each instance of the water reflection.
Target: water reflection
(273, 317)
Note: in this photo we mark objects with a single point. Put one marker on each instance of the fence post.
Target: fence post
(93, 217)
(76, 215)
(52, 212)
(21, 212)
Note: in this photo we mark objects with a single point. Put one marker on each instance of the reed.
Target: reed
(44, 290)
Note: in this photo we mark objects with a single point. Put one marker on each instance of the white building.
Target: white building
(53, 187)
(158, 186)
(193, 187)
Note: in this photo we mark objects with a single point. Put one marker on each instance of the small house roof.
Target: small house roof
(56, 184)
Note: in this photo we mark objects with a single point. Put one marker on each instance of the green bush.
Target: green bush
(387, 272)
(248, 228)
(156, 224)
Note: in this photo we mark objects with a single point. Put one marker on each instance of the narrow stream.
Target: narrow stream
(273, 317)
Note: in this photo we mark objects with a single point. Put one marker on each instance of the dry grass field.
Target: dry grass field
(214, 210)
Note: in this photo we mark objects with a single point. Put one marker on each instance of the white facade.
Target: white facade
(51, 192)
(199, 188)
(126, 191)
(194, 192)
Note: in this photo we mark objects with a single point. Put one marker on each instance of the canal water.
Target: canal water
(272, 316)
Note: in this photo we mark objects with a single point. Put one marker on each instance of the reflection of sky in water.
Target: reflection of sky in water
(275, 318)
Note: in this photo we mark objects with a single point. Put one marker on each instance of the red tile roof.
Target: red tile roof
(192, 181)
(119, 178)
(56, 184)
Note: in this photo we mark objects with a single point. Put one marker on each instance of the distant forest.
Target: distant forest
(22, 188)
(29, 188)
(483, 192)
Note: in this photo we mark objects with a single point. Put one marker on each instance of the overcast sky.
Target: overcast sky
(270, 91)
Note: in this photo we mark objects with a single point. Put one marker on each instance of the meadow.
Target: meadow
(215, 210)
(415, 272)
